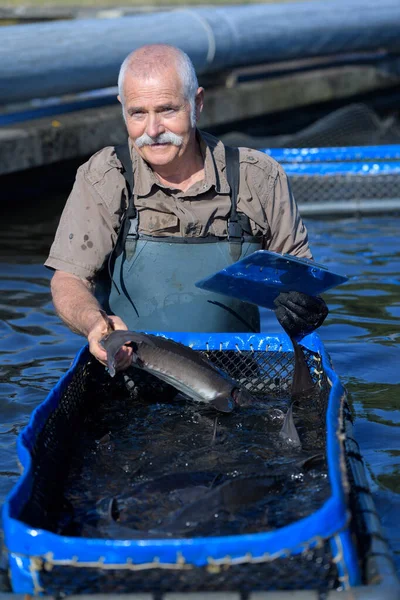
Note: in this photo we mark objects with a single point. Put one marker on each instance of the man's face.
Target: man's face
(157, 111)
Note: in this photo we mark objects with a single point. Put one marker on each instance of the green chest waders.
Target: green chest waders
(153, 278)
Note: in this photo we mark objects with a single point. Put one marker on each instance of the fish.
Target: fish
(302, 384)
(289, 431)
(180, 366)
(113, 531)
(229, 497)
(170, 482)
(107, 524)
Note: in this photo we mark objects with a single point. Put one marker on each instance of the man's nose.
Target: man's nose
(154, 125)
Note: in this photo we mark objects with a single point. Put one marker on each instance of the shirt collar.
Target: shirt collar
(214, 167)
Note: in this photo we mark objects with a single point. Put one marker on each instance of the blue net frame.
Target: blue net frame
(31, 549)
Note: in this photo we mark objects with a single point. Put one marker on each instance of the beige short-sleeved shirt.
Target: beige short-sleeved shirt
(89, 223)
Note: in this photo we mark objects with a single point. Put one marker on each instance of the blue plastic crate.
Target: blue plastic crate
(30, 550)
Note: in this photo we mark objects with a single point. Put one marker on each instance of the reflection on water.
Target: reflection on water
(361, 333)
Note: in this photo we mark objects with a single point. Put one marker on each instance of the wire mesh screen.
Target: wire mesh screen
(331, 188)
(262, 373)
(54, 446)
(313, 570)
(376, 559)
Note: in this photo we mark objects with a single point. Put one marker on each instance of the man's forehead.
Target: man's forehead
(167, 81)
(154, 98)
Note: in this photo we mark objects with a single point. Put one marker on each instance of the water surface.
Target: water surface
(362, 334)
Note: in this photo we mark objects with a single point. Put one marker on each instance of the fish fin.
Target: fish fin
(302, 380)
(113, 510)
(223, 404)
(289, 431)
(310, 462)
(110, 329)
(107, 508)
(111, 366)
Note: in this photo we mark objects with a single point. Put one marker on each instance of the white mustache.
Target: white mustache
(163, 138)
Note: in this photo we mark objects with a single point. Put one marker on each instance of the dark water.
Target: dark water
(362, 334)
(166, 467)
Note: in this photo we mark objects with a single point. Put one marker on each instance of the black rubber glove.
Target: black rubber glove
(299, 313)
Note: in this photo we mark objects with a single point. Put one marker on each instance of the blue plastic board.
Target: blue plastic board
(262, 276)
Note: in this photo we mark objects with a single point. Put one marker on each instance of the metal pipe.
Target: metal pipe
(350, 207)
(51, 59)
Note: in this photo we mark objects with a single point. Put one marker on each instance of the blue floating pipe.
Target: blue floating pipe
(342, 168)
(52, 59)
(390, 152)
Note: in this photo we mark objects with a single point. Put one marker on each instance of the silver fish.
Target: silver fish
(180, 366)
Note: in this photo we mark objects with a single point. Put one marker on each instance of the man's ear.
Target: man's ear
(199, 102)
(123, 110)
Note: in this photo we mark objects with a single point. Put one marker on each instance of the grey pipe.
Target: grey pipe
(350, 207)
(51, 59)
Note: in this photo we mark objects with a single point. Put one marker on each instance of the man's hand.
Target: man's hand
(299, 313)
(101, 328)
(78, 308)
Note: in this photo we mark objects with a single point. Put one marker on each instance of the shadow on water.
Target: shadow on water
(361, 334)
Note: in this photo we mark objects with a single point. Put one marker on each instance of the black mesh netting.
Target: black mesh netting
(336, 188)
(61, 475)
(314, 569)
(352, 125)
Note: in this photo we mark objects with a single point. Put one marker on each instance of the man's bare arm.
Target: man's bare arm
(74, 302)
(77, 306)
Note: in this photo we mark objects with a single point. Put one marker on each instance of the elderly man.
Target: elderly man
(169, 208)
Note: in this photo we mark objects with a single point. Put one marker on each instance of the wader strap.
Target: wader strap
(129, 223)
(235, 231)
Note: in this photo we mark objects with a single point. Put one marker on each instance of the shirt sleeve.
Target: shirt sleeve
(85, 234)
(287, 232)
(265, 196)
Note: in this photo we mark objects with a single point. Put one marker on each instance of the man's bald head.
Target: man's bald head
(154, 60)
